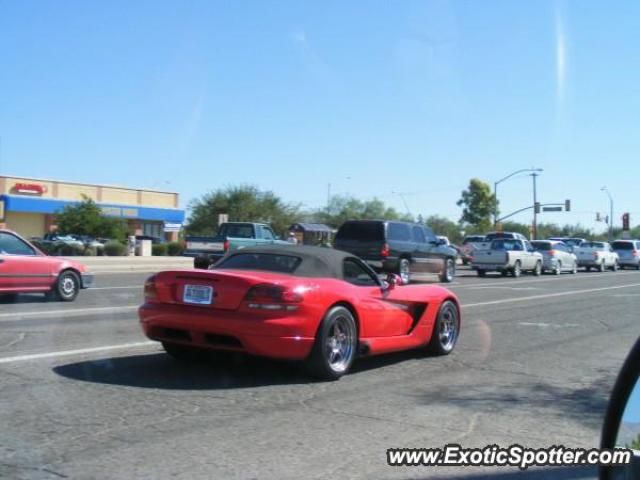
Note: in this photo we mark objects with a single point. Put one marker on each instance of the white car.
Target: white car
(599, 255)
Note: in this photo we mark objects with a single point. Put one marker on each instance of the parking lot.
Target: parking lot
(85, 395)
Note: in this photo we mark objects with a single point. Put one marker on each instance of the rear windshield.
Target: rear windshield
(592, 245)
(476, 239)
(573, 242)
(623, 246)
(269, 262)
(493, 236)
(541, 246)
(362, 231)
(506, 245)
(237, 231)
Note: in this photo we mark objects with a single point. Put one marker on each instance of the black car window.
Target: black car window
(398, 231)
(12, 245)
(622, 245)
(237, 231)
(560, 246)
(355, 273)
(370, 231)
(541, 246)
(418, 235)
(431, 237)
(269, 262)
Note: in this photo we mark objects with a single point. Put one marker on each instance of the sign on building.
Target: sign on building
(172, 227)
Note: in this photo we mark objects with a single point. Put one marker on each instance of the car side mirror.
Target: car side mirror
(621, 429)
(391, 281)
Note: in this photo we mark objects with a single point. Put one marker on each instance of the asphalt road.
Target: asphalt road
(84, 395)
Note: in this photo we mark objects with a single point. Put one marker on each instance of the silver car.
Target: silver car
(556, 256)
(628, 252)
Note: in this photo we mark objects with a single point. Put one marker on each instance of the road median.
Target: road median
(132, 264)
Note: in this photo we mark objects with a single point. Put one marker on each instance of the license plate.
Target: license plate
(198, 294)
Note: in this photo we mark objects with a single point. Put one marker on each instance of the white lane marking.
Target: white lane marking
(80, 351)
(508, 288)
(552, 325)
(7, 317)
(545, 279)
(548, 295)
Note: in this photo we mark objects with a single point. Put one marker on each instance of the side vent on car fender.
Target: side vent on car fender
(417, 311)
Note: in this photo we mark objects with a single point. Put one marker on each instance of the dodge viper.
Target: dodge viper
(315, 304)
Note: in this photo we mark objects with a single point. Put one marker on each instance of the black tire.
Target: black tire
(446, 330)
(537, 271)
(465, 262)
(67, 286)
(504, 273)
(588, 269)
(481, 273)
(516, 271)
(182, 353)
(614, 267)
(404, 270)
(558, 268)
(602, 267)
(335, 346)
(638, 267)
(574, 270)
(201, 262)
(449, 271)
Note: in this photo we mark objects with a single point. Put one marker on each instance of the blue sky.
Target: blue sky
(632, 409)
(373, 97)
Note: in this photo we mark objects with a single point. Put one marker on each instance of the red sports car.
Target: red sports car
(25, 269)
(315, 304)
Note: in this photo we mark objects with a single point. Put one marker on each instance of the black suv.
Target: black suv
(397, 247)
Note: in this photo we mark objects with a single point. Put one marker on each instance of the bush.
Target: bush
(113, 248)
(69, 250)
(174, 249)
(159, 250)
(90, 252)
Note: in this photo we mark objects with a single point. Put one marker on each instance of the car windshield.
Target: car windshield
(261, 261)
(542, 246)
(361, 231)
(237, 231)
(623, 246)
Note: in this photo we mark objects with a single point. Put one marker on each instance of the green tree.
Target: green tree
(444, 226)
(243, 203)
(478, 205)
(86, 218)
(345, 207)
(635, 443)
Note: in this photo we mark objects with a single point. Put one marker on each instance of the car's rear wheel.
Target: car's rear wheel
(537, 271)
(517, 269)
(574, 270)
(446, 329)
(335, 346)
(638, 266)
(481, 273)
(201, 262)
(614, 267)
(602, 267)
(588, 269)
(449, 271)
(558, 268)
(67, 286)
(504, 273)
(404, 270)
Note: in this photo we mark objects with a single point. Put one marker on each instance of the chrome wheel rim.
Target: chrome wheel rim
(448, 331)
(558, 268)
(516, 270)
(451, 271)
(340, 345)
(404, 272)
(68, 286)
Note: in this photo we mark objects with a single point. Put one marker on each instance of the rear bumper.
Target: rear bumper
(277, 337)
(549, 263)
(589, 263)
(629, 262)
(86, 280)
(490, 267)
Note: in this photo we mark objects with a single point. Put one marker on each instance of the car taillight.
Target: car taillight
(385, 250)
(269, 296)
(595, 254)
(225, 245)
(150, 290)
(551, 252)
(634, 253)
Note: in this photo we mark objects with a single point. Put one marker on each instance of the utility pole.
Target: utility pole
(534, 232)
(606, 190)
(328, 194)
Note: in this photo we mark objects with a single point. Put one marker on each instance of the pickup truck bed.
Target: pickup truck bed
(507, 256)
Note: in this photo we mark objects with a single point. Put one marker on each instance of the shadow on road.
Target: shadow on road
(10, 298)
(551, 473)
(214, 371)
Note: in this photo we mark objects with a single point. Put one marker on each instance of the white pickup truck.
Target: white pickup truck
(508, 255)
(598, 255)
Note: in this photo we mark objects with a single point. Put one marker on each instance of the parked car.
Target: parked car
(491, 236)
(313, 304)
(571, 242)
(628, 253)
(556, 256)
(25, 269)
(54, 238)
(597, 255)
(470, 244)
(508, 255)
(231, 236)
(154, 240)
(398, 247)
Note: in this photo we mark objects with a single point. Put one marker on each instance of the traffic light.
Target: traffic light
(536, 207)
(598, 218)
(625, 221)
(567, 205)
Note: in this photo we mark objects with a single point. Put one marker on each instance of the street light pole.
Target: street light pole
(495, 188)
(606, 190)
(534, 230)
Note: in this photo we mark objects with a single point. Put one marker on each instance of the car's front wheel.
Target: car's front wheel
(537, 271)
(614, 267)
(557, 269)
(67, 286)
(602, 267)
(449, 271)
(335, 346)
(446, 329)
(517, 269)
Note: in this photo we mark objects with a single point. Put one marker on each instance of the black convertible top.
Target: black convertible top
(318, 262)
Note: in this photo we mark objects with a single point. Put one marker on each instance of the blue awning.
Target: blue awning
(18, 203)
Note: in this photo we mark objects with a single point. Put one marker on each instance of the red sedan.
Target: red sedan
(25, 269)
(315, 304)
